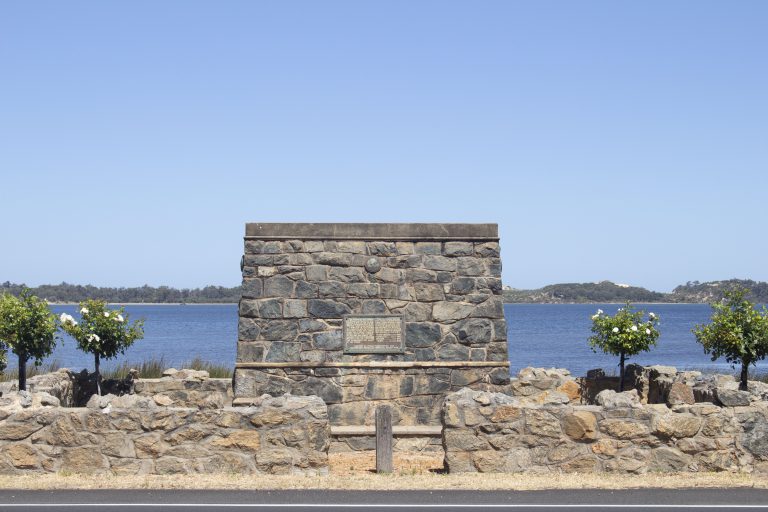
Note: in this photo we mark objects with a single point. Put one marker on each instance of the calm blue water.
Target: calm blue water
(175, 333)
(556, 335)
(539, 335)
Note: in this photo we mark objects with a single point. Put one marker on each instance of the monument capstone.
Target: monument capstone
(369, 314)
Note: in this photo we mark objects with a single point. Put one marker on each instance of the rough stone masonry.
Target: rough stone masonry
(135, 435)
(365, 314)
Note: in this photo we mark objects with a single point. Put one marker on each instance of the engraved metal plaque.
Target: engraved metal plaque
(373, 334)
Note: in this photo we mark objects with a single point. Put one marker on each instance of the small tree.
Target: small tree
(102, 332)
(625, 334)
(737, 331)
(28, 328)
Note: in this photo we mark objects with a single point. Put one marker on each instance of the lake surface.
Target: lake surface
(548, 335)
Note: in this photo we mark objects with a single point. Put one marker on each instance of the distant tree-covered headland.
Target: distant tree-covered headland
(65, 293)
(564, 293)
(606, 291)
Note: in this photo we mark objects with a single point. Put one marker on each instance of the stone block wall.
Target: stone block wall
(300, 280)
(203, 393)
(494, 432)
(185, 388)
(666, 385)
(133, 435)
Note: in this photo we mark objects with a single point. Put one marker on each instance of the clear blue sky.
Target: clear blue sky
(610, 140)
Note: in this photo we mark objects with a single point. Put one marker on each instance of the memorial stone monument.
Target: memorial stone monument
(370, 314)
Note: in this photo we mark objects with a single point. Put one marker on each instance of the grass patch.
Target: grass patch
(757, 375)
(12, 374)
(215, 370)
(154, 368)
(148, 369)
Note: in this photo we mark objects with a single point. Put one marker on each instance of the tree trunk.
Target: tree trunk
(744, 375)
(98, 375)
(22, 372)
(621, 373)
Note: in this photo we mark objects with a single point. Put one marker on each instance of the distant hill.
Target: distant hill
(66, 292)
(606, 291)
(694, 291)
(566, 293)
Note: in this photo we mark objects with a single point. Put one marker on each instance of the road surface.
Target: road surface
(650, 500)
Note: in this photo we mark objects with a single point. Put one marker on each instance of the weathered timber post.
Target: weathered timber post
(384, 439)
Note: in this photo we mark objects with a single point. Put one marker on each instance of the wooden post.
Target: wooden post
(384, 439)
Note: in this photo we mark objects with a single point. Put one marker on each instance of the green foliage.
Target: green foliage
(737, 331)
(72, 293)
(101, 331)
(27, 326)
(625, 333)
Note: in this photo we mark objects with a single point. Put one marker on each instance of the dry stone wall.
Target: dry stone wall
(186, 388)
(301, 280)
(495, 432)
(178, 388)
(666, 385)
(133, 435)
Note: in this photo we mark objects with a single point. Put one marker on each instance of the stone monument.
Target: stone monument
(370, 314)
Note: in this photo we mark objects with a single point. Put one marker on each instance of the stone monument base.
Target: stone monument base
(370, 314)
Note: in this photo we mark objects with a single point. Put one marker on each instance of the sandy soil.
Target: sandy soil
(415, 472)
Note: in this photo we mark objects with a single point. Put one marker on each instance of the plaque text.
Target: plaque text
(373, 334)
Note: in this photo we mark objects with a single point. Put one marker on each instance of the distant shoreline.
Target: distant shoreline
(608, 303)
(151, 303)
(506, 303)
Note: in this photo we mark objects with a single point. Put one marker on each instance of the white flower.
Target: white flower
(594, 317)
(615, 329)
(93, 337)
(67, 319)
(651, 315)
(106, 314)
(647, 331)
(84, 311)
(634, 328)
(119, 318)
(599, 311)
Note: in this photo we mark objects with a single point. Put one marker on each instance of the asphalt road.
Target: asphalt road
(656, 500)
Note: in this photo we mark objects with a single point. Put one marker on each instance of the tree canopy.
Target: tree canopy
(28, 328)
(73, 293)
(625, 334)
(102, 332)
(737, 332)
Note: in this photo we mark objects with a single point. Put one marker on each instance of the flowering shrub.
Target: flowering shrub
(737, 331)
(101, 331)
(28, 328)
(624, 334)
